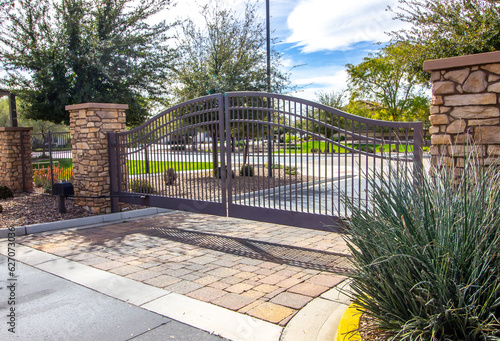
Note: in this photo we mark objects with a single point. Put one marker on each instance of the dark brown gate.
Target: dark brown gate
(259, 156)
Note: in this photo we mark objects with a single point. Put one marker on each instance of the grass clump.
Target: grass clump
(426, 255)
(142, 186)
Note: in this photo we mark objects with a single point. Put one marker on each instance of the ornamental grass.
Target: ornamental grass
(426, 253)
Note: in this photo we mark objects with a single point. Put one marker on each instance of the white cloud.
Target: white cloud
(325, 78)
(318, 25)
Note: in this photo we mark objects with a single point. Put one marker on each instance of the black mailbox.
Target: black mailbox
(63, 188)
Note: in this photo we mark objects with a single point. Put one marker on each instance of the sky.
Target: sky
(319, 37)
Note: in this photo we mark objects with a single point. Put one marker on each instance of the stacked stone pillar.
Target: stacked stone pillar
(89, 125)
(465, 111)
(16, 165)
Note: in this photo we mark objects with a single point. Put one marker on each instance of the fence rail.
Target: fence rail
(52, 159)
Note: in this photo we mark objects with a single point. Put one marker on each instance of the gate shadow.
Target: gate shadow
(277, 253)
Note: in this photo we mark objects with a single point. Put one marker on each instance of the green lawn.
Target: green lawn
(136, 166)
(139, 166)
(63, 163)
(307, 147)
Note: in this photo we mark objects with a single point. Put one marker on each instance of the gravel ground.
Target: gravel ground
(34, 208)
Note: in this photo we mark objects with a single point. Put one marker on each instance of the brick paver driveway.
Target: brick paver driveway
(264, 270)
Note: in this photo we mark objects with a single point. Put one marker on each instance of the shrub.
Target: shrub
(290, 170)
(246, 170)
(289, 138)
(217, 173)
(425, 255)
(275, 166)
(6, 192)
(41, 175)
(169, 177)
(141, 186)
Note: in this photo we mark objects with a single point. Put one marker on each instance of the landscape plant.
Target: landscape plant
(141, 186)
(6, 192)
(246, 170)
(425, 253)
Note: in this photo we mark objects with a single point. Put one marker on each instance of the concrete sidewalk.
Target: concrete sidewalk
(52, 308)
(242, 280)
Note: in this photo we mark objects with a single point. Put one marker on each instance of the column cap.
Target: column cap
(16, 128)
(96, 106)
(462, 61)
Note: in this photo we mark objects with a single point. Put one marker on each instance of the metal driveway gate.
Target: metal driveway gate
(259, 156)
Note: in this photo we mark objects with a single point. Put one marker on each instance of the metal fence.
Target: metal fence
(52, 160)
(259, 156)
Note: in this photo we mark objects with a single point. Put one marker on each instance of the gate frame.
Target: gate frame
(226, 207)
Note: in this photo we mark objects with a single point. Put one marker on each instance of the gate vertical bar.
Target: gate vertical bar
(51, 163)
(113, 165)
(225, 153)
(418, 141)
(270, 138)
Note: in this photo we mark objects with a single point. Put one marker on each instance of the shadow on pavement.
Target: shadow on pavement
(276, 253)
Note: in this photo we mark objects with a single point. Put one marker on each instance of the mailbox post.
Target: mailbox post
(63, 190)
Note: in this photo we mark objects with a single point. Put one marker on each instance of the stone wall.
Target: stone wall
(465, 108)
(15, 153)
(89, 125)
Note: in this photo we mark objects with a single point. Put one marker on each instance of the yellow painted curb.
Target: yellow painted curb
(348, 323)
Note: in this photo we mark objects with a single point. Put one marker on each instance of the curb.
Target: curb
(348, 325)
(320, 319)
(79, 222)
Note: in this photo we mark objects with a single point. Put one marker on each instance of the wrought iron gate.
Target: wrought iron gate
(258, 156)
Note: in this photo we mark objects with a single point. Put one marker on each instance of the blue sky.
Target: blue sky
(320, 35)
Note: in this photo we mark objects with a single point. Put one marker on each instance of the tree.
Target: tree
(225, 53)
(4, 112)
(74, 51)
(337, 100)
(385, 79)
(447, 28)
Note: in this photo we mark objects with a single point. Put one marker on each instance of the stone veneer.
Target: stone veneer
(465, 108)
(89, 125)
(15, 148)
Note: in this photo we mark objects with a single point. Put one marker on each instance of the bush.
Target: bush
(426, 261)
(6, 192)
(169, 177)
(246, 170)
(290, 170)
(141, 186)
(289, 138)
(217, 173)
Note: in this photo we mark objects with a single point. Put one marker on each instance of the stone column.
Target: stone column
(16, 163)
(89, 125)
(465, 108)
